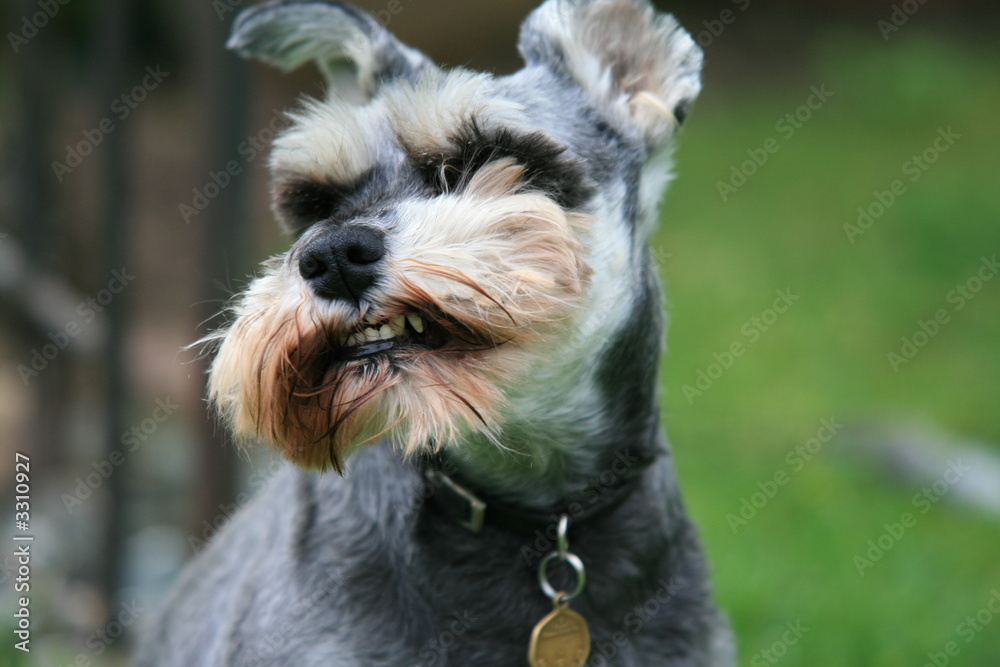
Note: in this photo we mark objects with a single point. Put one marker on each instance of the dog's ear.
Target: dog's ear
(640, 67)
(354, 51)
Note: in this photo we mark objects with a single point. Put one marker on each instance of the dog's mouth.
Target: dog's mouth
(412, 332)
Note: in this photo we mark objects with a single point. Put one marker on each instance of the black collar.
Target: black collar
(474, 509)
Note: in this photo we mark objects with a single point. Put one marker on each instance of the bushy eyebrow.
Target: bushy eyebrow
(301, 201)
(306, 200)
(547, 165)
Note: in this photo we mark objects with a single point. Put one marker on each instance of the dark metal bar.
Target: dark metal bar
(113, 60)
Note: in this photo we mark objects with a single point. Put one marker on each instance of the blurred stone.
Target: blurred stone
(927, 458)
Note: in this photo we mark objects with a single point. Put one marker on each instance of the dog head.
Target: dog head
(464, 245)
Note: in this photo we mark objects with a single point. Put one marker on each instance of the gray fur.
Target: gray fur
(362, 571)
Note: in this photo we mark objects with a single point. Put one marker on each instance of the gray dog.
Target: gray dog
(468, 327)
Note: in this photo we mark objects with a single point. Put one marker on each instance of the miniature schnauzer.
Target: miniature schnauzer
(468, 328)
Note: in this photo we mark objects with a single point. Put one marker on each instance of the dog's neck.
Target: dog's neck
(465, 503)
(569, 439)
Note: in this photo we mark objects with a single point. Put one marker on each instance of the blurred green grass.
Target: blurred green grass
(827, 356)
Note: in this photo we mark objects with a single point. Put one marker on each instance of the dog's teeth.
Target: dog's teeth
(395, 327)
(416, 322)
(370, 319)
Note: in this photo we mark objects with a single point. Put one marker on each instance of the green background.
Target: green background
(723, 261)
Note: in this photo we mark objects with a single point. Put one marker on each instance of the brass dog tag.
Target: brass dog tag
(561, 639)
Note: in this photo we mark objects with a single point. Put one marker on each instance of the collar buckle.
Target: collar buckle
(477, 507)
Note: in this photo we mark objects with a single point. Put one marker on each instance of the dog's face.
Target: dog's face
(464, 244)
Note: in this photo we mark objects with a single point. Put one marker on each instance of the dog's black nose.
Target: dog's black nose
(343, 263)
